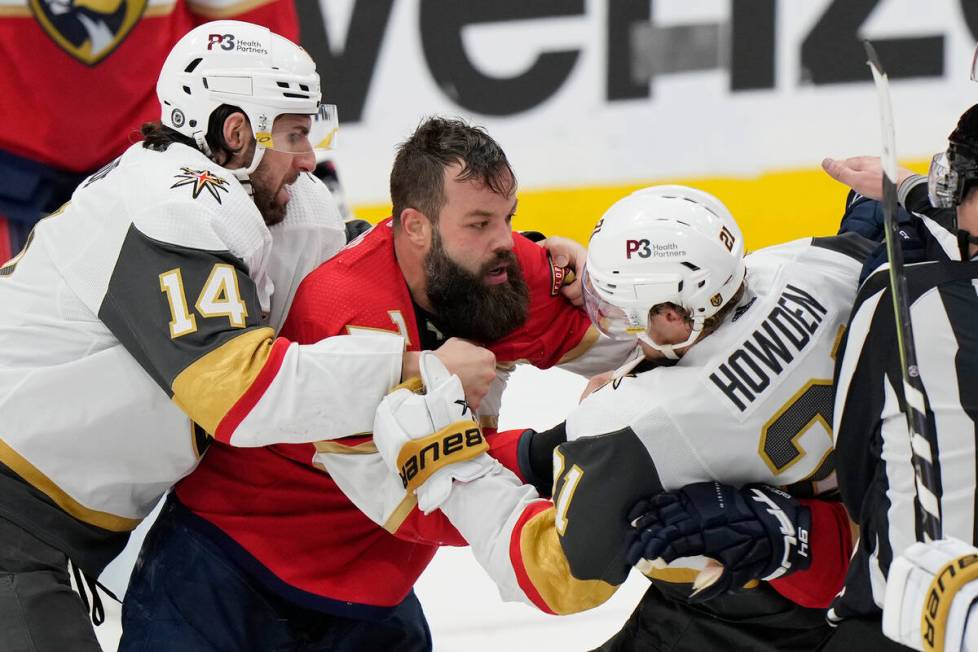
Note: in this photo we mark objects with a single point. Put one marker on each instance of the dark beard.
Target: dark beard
(465, 306)
(271, 211)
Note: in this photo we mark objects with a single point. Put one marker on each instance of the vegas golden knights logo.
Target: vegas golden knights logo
(88, 30)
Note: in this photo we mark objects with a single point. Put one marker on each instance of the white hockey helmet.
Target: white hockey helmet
(247, 66)
(662, 244)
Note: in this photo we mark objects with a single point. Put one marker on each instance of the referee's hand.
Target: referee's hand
(864, 174)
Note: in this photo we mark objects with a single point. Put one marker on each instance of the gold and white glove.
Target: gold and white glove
(930, 595)
(428, 435)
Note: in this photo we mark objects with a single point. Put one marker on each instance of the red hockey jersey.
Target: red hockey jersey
(290, 523)
(79, 81)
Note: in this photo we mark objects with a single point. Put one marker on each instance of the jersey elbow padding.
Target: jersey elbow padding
(542, 569)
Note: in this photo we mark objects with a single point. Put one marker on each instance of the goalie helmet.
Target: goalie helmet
(663, 244)
(955, 171)
(246, 66)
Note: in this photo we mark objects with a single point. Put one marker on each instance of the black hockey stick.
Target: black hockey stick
(915, 398)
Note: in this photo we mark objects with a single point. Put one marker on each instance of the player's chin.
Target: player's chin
(274, 213)
(283, 195)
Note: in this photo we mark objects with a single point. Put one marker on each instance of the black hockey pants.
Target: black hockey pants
(39, 611)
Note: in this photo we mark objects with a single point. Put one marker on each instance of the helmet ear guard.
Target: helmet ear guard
(663, 244)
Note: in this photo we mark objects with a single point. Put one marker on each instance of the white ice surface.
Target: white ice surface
(462, 605)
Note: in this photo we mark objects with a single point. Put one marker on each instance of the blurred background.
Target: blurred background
(593, 98)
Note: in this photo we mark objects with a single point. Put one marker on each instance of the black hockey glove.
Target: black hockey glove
(355, 227)
(757, 532)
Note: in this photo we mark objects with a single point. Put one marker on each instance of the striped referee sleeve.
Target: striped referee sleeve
(872, 441)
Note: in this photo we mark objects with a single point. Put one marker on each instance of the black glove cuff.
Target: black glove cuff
(788, 524)
(535, 454)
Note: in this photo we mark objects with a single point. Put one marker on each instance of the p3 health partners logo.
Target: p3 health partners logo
(645, 248)
(231, 42)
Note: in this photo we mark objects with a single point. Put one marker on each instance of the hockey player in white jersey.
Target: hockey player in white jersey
(140, 320)
(743, 403)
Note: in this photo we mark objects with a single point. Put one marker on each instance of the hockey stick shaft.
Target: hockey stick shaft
(923, 444)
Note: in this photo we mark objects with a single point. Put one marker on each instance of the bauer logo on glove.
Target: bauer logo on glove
(420, 458)
(428, 435)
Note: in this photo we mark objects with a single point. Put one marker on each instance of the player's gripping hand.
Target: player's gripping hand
(474, 365)
(569, 255)
(930, 591)
(427, 434)
(757, 532)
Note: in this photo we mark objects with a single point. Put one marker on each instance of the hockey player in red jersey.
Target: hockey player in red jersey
(139, 323)
(270, 525)
(745, 404)
(100, 59)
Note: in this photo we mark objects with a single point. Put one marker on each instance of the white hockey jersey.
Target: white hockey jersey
(147, 304)
(751, 402)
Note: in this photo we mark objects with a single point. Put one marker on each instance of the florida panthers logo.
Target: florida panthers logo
(201, 180)
(88, 30)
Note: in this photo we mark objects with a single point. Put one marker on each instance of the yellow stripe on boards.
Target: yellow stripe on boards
(770, 208)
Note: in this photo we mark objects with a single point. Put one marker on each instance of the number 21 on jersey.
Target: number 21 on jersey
(562, 499)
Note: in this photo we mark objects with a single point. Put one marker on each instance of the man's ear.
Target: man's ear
(416, 226)
(672, 315)
(237, 131)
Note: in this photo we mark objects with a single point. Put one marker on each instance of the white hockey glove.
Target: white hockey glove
(930, 590)
(430, 439)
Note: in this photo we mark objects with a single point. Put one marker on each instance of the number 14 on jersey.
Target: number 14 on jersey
(220, 297)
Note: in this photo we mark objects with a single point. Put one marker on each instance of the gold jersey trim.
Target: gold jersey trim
(22, 467)
(400, 513)
(549, 571)
(227, 10)
(673, 575)
(334, 448)
(590, 337)
(209, 388)
(159, 9)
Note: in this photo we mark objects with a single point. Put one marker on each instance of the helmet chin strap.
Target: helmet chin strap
(964, 239)
(244, 174)
(241, 174)
(202, 145)
(669, 350)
